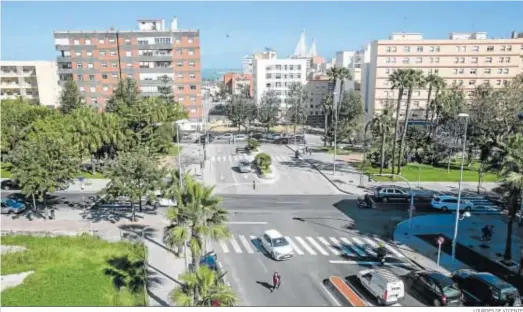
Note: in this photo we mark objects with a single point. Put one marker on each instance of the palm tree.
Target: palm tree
(326, 104)
(399, 81)
(414, 81)
(512, 178)
(203, 288)
(382, 124)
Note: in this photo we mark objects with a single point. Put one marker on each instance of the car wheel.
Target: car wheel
(385, 199)
(436, 303)
(445, 209)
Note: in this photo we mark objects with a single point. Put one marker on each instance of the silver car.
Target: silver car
(240, 137)
(245, 166)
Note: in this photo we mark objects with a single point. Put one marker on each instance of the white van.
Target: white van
(382, 284)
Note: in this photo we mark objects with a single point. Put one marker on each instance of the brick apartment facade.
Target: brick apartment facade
(97, 60)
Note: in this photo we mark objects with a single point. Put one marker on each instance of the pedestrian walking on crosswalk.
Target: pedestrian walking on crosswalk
(276, 281)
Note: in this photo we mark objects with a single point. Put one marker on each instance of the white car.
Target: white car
(226, 136)
(162, 202)
(449, 202)
(240, 137)
(245, 166)
(386, 287)
(276, 245)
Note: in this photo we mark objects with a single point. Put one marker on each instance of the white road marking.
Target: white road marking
(326, 243)
(246, 244)
(394, 251)
(224, 247)
(362, 245)
(236, 158)
(317, 246)
(230, 158)
(356, 249)
(235, 245)
(263, 265)
(304, 244)
(285, 158)
(330, 295)
(245, 176)
(346, 250)
(213, 158)
(293, 245)
(246, 222)
(370, 242)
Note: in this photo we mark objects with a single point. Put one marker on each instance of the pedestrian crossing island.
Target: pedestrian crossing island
(354, 246)
(237, 158)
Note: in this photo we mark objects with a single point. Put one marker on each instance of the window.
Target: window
(114, 65)
(192, 76)
(436, 60)
(143, 42)
(101, 41)
(475, 48)
(82, 89)
(387, 60)
(102, 53)
(419, 60)
(179, 64)
(90, 65)
(505, 71)
(128, 53)
(406, 49)
(505, 83)
(500, 70)
(114, 76)
(79, 65)
(474, 60)
(113, 53)
(190, 40)
(458, 48)
(91, 77)
(488, 60)
(190, 52)
(389, 49)
(127, 41)
(405, 60)
(92, 89)
(498, 82)
(76, 42)
(89, 53)
(436, 71)
(472, 82)
(464, 48)
(180, 88)
(80, 78)
(104, 76)
(386, 83)
(490, 48)
(507, 60)
(103, 65)
(177, 41)
(462, 59)
(473, 71)
(162, 40)
(503, 48)
(181, 99)
(387, 71)
(431, 48)
(460, 82)
(416, 93)
(431, 60)
(78, 53)
(437, 48)
(193, 87)
(487, 71)
(455, 71)
(191, 63)
(87, 41)
(129, 65)
(509, 48)
(179, 76)
(461, 71)
(501, 59)
(416, 103)
(193, 99)
(485, 82)
(105, 88)
(111, 40)
(419, 49)
(94, 101)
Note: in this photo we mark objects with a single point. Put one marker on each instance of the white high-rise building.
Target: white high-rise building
(277, 74)
(32, 80)
(344, 58)
(247, 63)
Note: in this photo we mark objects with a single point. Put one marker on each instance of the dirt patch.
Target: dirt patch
(7, 249)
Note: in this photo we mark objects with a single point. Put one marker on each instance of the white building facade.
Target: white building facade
(247, 64)
(278, 75)
(34, 80)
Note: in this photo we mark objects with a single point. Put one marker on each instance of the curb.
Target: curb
(323, 174)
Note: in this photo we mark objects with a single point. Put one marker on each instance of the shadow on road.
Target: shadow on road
(268, 286)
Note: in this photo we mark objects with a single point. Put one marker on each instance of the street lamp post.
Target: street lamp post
(411, 208)
(179, 159)
(454, 240)
(335, 106)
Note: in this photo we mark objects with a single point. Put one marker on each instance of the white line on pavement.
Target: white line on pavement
(304, 244)
(224, 247)
(356, 249)
(326, 243)
(399, 255)
(362, 245)
(246, 222)
(317, 246)
(293, 245)
(246, 244)
(230, 158)
(213, 158)
(263, 265)
(330, 295)
(235, 245)
(346, 250)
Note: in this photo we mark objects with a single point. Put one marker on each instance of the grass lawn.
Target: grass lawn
(69, 271)
(434, 174)
(339, 151)
(4, 173)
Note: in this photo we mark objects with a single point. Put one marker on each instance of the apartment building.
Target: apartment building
(247, 64)
(351, 60)
(277, 74)
(317, 89)
(464, 59)
(236, 83)
(33, 80)
(97, 60)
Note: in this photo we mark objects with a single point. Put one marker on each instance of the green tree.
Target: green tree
(327, 107)
(166, 89)
(203, 288)
(45, 161)
(268, 109)
(263, 160)
(134, 175)
(350, 113)
(297, 101)
(238, 110)
(434, 82)
(400, 81)
(126, 95)
(70, 98)
(382, 124)
(414, 80)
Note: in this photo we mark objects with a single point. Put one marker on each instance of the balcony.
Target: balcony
(155, 57)
(9, 73)
(63, 58)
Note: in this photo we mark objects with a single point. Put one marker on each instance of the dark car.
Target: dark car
(435, 287)
(10, 185)
(388, 193)
(282, 141)
(486, 289)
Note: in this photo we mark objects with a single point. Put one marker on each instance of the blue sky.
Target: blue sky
(27, 27)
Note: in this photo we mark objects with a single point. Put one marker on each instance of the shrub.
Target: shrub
(253, 144)
(263, 161)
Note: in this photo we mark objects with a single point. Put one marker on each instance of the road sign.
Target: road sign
(440, 240)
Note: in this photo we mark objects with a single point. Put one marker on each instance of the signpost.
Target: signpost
(440, 242)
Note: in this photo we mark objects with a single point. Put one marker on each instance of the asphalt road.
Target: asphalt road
(331, 236)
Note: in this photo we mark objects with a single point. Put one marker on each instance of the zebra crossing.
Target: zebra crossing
(353, 247)
(236, 158)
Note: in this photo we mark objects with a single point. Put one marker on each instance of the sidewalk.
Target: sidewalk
(163, 267)
(469, 235)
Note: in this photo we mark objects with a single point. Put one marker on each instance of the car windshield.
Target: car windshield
(244, 163)
(279, 242)
(451, 291)
(10, 202)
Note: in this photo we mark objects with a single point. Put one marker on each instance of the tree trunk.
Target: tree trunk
(382, 157)
(480, 176)
(140, 204)
(507, 255)
(133, 212)
(404, 130)
(325, 129)
(427, 110)
(395, 138)
(46, 209)
(34, 202)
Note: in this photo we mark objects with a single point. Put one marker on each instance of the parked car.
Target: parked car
(257, 136)
(240, 137)
(282, 141)
(10, 184)
(12, 206)
(486, 289)
(159, 201)
(225, 136)
(449, 202)
(386, 287)
(276, 245)
(388, 193)
(435, 287)
(245, 166)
